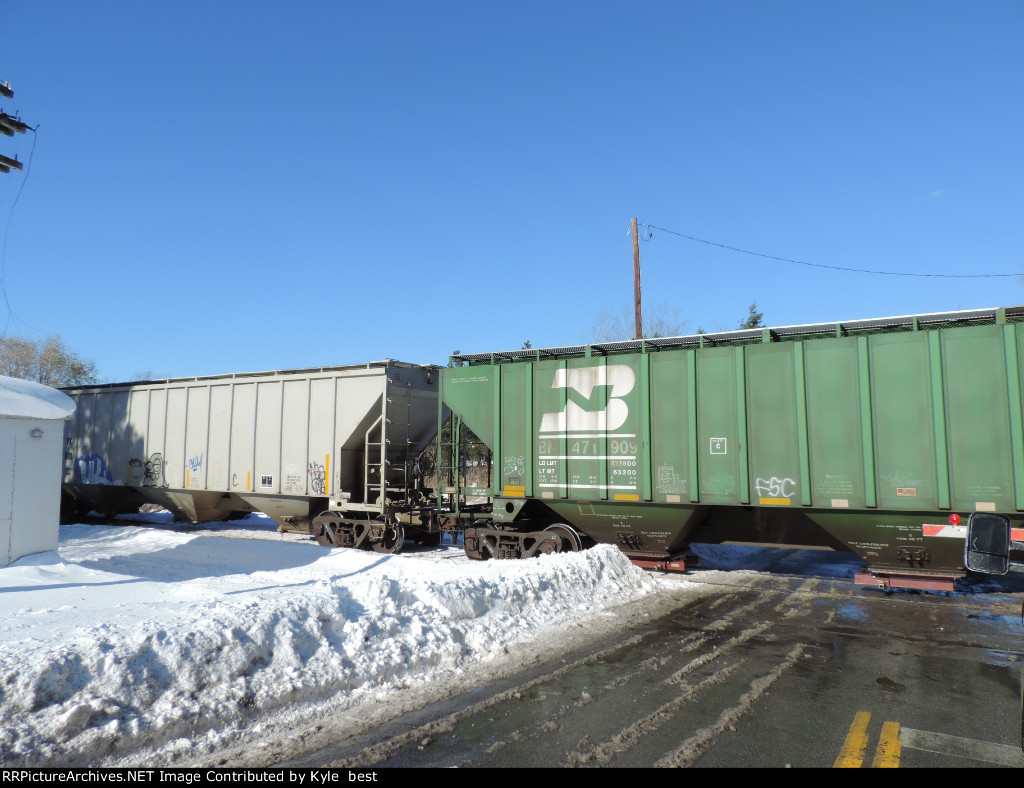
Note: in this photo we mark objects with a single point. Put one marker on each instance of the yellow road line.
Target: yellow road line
(895, 738)
(852, 754)
(887, 756)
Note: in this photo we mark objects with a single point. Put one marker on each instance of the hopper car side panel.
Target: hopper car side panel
(867, 440)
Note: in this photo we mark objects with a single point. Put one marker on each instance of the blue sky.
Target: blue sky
(238, 186)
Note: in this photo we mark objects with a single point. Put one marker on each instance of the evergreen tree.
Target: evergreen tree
(755, 319)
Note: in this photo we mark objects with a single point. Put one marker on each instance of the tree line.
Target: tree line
(47, 361)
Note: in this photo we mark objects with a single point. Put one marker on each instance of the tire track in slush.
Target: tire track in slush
(383, 750)
(679, 676)
(628, 737)
(695, 746)
(690, 751)
(748, 607)
(690, 643)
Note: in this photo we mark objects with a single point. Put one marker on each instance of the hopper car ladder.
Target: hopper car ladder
(448, 458)
(382, 475)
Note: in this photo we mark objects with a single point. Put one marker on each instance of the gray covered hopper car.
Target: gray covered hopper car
(292, 444)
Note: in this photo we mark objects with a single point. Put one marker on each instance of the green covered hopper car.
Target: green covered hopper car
(877, 436)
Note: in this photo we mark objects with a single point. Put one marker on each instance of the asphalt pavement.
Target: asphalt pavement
(774, 669)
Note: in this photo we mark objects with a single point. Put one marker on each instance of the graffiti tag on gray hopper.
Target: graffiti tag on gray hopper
(152, 470)
(92, 469)
(317, 474)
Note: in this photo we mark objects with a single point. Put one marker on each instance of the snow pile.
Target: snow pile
(127, 637)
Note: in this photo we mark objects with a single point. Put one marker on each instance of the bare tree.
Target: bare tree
(49, 362)
(660, 321)
(18, 358)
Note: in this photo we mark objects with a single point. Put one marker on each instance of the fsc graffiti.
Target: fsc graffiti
(775, 490)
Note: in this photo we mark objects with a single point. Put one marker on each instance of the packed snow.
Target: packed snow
(170, 641)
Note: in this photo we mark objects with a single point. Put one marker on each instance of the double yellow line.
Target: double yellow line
(887, 754)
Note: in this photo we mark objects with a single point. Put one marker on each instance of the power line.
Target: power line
(7, 229)
(651, 227)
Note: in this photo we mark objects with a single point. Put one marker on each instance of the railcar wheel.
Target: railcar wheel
(324, 525)
(475, 545)
(569, 540)
(391, 541)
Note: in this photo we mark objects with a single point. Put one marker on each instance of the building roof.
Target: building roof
(23, 399)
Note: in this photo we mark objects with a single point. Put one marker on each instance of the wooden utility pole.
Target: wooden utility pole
(636, 283)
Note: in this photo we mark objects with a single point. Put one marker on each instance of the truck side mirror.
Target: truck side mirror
(987, 549)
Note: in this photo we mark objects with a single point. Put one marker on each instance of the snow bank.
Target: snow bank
(128, 637)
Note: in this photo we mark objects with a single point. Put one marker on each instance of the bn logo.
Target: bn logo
(574, 418)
